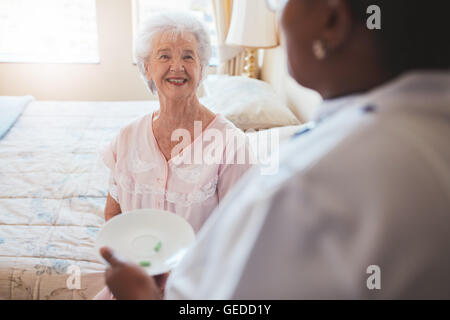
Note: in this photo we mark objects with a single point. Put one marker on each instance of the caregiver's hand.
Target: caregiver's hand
(128, 281)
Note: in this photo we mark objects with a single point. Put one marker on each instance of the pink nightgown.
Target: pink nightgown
(190, 184)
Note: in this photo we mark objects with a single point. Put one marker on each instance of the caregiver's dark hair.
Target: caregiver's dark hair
(414, 33)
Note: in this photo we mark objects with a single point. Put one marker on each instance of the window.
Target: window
(48, 31)
(201, 8)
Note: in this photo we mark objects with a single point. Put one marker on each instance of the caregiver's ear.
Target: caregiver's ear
(337, 23)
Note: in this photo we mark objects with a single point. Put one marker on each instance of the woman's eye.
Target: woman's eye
(188, 57)
(164, 56)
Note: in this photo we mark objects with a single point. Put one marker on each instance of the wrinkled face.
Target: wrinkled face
(174, 65)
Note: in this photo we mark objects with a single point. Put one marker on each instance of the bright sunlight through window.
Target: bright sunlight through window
(48, 31)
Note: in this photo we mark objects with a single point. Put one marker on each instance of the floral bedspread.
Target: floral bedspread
(53, 189)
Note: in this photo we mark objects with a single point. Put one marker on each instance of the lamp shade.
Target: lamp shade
(252, 25)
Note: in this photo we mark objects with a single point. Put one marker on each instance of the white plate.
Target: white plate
(135, 235)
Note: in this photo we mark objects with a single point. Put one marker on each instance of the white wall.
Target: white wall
(114, 78)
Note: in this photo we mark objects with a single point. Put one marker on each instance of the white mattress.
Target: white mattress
(52, 194)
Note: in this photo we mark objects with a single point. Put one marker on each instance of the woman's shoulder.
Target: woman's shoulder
(133, 128)
(223, 124)
(232, 137)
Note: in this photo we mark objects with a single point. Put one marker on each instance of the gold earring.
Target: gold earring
(319, 49)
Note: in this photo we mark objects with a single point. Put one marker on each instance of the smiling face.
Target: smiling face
(174, 65)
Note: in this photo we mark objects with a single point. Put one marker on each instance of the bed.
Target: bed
(53, 189)
(52, 195)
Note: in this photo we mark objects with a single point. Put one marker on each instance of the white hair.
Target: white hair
(177, 22)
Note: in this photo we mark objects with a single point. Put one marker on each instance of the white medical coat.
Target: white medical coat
(368, 186)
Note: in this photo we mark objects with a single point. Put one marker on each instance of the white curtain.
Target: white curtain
(231, 59)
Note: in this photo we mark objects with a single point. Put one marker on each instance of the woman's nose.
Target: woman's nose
(177, 66)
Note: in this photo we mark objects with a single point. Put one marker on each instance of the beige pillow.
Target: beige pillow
(247, 103)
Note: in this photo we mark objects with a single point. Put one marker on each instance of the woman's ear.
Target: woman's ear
(202, 77)
(338, 23)
(201, 72)
(147, 71)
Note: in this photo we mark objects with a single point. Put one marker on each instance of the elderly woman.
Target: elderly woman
(149, 167)
(360, 206)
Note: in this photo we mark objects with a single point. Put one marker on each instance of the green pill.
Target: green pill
(145, 263)
(157, 246)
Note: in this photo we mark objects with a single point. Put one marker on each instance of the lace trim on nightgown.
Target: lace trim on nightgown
(113, 189)
(138, 166)
(183, 199)
(189, 174)
(113, 192)
(197, 196)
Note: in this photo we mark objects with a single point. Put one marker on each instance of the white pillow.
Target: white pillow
(247, 103)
